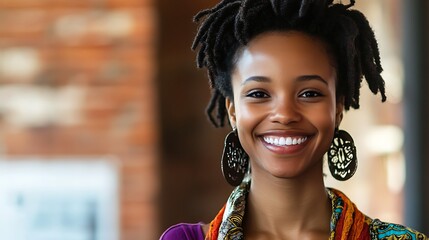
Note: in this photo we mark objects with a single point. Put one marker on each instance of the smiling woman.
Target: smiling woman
(284, 90)
(283, 73)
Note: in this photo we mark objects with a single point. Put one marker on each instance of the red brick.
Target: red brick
(23, 3)
(118, 116)
(73, 3)
(140, 182)
(26, 23)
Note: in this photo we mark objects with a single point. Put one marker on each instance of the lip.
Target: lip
(292, 143)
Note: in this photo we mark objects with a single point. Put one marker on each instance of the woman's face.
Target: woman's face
(284, 106)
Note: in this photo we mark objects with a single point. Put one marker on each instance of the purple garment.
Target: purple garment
(184, 231)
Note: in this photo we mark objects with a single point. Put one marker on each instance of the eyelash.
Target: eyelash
(312, 94)
(306, 94)
(257, 94)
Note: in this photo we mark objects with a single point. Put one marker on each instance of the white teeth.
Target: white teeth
(282, 141)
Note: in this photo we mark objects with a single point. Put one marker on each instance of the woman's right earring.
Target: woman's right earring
(342, 159)
(235, 160)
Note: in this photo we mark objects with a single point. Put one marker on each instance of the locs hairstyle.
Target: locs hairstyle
(231, 24)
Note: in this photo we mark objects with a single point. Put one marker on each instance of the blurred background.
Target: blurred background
(103, 134)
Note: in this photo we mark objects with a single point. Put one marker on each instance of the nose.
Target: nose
(285, 111)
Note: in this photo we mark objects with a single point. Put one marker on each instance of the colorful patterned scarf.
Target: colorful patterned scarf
(347, 222)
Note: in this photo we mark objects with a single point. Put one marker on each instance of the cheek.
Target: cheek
(248, 118)
(244, 118)
(248, 115)
(243, 115)
(327, 119)
(324, 116)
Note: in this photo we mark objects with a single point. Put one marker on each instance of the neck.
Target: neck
(301, 204)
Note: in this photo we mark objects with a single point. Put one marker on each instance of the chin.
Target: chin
(294, 171)
(285, 173)
(288, 176)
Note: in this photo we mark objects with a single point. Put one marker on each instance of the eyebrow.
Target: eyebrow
(255, 79)
(312, 77)
(300, 78)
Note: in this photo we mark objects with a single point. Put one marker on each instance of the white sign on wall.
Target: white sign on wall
(64, 199)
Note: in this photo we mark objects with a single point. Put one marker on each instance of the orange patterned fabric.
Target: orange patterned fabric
(212, 234)
(347, 222)
(352, 224)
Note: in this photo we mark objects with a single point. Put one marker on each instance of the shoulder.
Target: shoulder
(184, 231)
(385, 230)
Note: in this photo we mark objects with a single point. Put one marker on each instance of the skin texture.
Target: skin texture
(284, 87)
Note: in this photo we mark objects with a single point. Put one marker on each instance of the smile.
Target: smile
(284, 141)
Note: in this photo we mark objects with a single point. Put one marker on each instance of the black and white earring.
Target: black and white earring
(235, 160)
(342, 159)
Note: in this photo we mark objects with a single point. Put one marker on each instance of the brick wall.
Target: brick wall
(77, 78)
(193, 188)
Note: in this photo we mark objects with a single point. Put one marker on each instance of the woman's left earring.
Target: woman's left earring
(342, 159)
(235, 160)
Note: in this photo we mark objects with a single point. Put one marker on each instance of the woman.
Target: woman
(283, 73)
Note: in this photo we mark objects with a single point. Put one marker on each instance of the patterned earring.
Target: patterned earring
(235, 160)
(342, 159)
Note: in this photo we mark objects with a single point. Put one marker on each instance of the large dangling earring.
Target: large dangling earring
(342, 159)
(235, 160)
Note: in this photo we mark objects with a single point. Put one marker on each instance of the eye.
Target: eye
(257, 94)
(310, 94)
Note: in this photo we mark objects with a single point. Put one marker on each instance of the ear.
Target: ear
(230, 108)
(339, 111)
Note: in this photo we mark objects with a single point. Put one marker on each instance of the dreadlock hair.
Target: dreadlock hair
(231, 24)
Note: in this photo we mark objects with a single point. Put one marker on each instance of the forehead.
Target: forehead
(289, 50)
